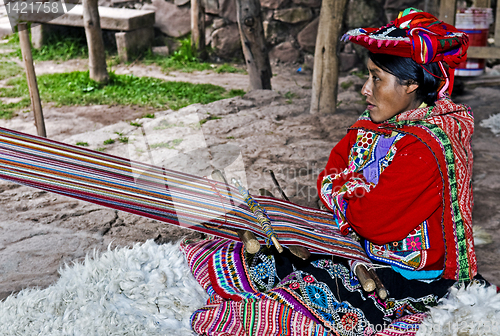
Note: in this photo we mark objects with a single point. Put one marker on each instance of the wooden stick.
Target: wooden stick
(36, 104)
(381, 291)
(278, 186)
(198, 27)
(248, 238)
(364, 278)
(259, 214)
(251, 243)
(300, 251)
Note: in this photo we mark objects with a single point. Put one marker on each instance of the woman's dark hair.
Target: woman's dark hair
(406, 69)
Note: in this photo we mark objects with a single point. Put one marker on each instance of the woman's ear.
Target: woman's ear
(411, 87)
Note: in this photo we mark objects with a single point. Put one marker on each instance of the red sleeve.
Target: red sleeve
(409, 191)
(338, 160)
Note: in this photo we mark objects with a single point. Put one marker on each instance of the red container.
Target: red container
(475, 22)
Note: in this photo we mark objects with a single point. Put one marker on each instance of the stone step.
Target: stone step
(122, 19)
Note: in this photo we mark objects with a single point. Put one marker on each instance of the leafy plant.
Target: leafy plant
(80, 143)
(109, 141)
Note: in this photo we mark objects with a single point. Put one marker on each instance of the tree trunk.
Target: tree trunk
(198, 28)
(254, 44)
(326, 62)
(97, 56)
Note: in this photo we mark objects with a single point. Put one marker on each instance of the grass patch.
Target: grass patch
(136, 124)
(236, 92)
(60, 48)
(210, 117)
(185, 59)
(76, 88)
(169, 144)
(360, 74)
(166, 125)
(57, 47)
(346, 85)
(227, 68)
(109, 141)
(80, 143)
(7, 110)
(9, 69)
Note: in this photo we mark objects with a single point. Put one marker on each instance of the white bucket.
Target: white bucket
(476, 23)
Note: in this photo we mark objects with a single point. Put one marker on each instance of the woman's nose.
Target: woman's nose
(366, 89)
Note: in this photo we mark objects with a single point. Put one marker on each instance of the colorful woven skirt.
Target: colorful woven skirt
(279, 294)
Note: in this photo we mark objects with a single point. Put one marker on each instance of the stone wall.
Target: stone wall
(290, 26)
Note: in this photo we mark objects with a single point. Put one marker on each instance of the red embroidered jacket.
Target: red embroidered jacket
(409, 191)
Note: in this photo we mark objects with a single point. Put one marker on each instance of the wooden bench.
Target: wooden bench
(134, 27)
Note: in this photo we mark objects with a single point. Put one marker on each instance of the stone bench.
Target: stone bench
(135, 31)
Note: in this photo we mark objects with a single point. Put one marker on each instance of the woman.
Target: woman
(400, 180)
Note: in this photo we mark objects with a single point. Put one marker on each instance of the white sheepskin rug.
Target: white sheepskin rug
(472, 310)
(144, 290)
(493, 122)
(149, 290)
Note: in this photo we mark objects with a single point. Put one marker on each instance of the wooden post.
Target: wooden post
(447, 11)
(497, 25)
(253, 44)
(326, 63)
(36, 105)
(97, 56)
(198, 28)
(482, 3)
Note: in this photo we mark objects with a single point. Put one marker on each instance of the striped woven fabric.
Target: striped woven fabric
(173, 197)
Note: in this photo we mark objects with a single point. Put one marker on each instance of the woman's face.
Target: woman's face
(385, 96)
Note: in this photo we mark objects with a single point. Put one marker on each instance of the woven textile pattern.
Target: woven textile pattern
(173, 197)
(407, 326)
(247, 287)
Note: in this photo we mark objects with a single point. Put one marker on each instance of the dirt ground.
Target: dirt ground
(40, 232)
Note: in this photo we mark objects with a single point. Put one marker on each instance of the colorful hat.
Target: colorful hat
(418, 35)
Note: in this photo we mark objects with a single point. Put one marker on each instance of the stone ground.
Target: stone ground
(40, 232)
